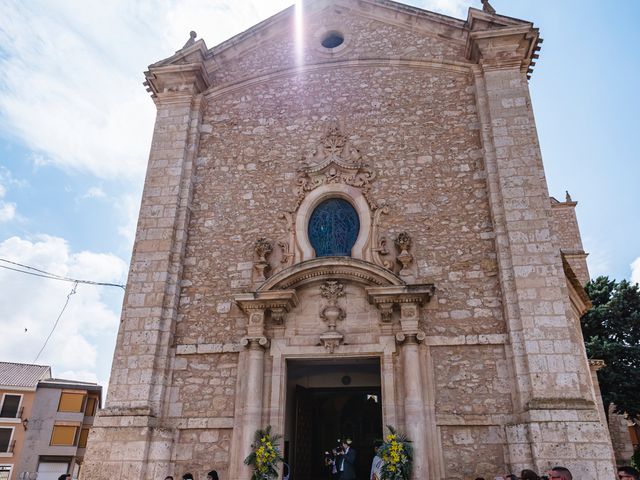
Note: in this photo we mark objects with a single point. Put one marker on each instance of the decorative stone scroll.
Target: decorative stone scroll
(335, 160)
(332, 290)
(379, 250)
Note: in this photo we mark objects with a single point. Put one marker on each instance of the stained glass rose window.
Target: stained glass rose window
(333, 228)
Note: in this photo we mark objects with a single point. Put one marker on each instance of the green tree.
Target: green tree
(611, 332)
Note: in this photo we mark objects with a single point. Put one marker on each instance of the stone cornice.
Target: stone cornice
(399, 294)
(184, 72)
(277, 299)
(577, 293)
(513, 46)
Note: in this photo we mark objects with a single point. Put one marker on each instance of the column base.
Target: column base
(128, 446)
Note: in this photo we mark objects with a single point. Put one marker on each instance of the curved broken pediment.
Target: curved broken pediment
(331, 268)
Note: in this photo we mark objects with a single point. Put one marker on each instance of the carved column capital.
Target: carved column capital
(409, 298)
(254, 343)
(413, 338)
(256, 304)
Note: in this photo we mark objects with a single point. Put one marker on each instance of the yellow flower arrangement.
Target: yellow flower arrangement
(396, 454)
(265, 456)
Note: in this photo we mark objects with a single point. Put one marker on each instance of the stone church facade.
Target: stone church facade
(408, 138)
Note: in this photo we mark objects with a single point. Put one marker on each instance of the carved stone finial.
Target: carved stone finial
(567, 197)
(262, 248)
(192, 39)
(403, 241)
(486, 7)
(332, 290)
(403, 244)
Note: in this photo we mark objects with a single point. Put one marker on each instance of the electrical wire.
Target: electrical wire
(52, 276)
(73, 291)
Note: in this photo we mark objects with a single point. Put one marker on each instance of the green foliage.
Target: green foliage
(635, 459)
(611, 331)
(265, 455)
(397, 456)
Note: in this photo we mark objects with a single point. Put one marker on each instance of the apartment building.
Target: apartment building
(18, 386)
(43, 433)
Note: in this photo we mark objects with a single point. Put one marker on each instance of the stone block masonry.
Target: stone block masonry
(463, 286)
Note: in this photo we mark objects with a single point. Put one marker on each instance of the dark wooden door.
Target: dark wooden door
(303, 435)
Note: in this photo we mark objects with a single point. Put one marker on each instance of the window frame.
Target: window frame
(7, 466)
(18, 411)
(352, 195)
(83, 429)
(8, 452)
(95, 400)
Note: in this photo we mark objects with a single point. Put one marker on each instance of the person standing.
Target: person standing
(347, 461)
(212, 475)
(376, 464)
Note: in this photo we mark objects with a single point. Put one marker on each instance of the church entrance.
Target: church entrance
(328, 401)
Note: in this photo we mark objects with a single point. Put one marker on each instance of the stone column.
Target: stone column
(414, 401)
(128, 437)
(251, 419)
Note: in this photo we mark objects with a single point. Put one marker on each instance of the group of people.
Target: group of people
(212, 475)
(341, 461)
(563, 473)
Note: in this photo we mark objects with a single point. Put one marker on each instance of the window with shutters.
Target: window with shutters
(64, 435)
(71, 402)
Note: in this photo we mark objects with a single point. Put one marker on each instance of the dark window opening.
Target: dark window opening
(332, 40)
(10, 406)
(333, 228)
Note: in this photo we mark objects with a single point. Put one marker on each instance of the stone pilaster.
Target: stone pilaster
(249, 397)
(414, 402)
(141, 365)
(250, 418)
(553, 393)
(409, 299)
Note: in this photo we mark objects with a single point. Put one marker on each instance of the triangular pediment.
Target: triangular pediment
(367, 30)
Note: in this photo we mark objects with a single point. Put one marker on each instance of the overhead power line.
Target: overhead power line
(28, 270)
(73, 291)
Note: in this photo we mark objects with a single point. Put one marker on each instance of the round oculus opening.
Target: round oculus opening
(332, 39)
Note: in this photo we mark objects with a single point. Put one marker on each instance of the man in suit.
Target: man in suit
(347, 461)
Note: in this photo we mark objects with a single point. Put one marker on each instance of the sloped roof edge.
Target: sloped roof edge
(439, 17)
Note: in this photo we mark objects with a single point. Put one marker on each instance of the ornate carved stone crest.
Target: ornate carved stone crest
(332, 290)
(335, 160)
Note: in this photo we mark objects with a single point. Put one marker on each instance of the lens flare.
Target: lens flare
(299, 37)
